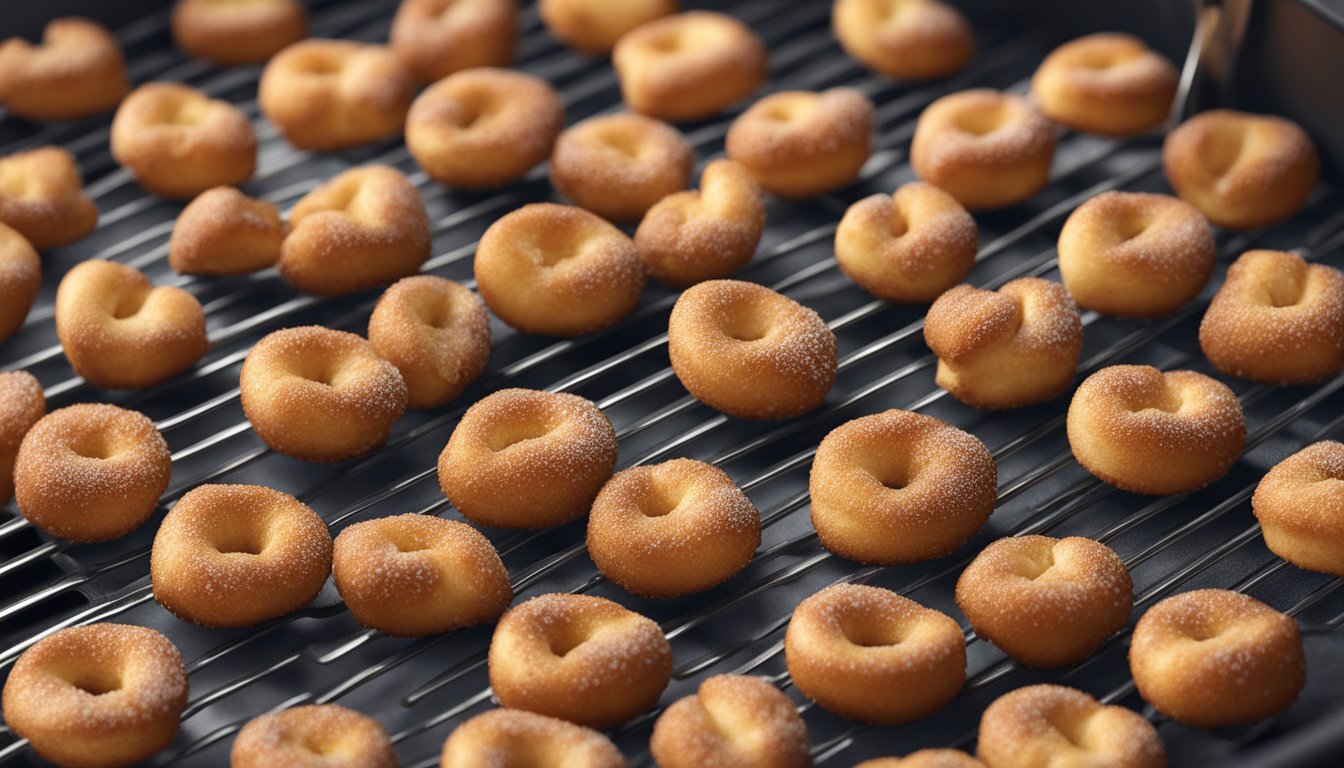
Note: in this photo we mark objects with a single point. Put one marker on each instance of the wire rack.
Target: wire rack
(421, 689)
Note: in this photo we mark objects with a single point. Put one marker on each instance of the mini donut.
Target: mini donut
(42, 196)
(1133, 254)
(227, 32)
(696, 235)
(20, 279)
(869, 654)
(688, 66)
(364, 228)
(557, 270)
(1242, 171)
(414, 575)
(76, 71)
(672, 529)
(580, 658)
(1108, 83)
(437, 334)
(1146, 431)
(926, 758)
(120, 331)
(618, 166)
(909, 246)
(435, 38)
(900, 487)
(906, 39)
(1214, 657)
(735, 721)
(313, 736)
(237, 555)
(985, 148)
(327, 95)
(484, 127)
(224, 232)
(1276, 319)
(516, 737)
(1300, 505)
(800, 144)
(22, 403)
(725, 332)
(523, 458)
(1051, 725)
(1046, 602)
(97, 696)
(594, 26)
(1007, 348)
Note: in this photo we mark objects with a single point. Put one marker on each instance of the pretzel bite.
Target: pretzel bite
(594, 26)
(228, 32)
(314, 736)
(42, 197)
(1051, 725)
(1108, 83)
(224, 232)
(800, 144)
(905, 39)
(513, 736)
(437, 334)
(1300, 505)
(76, 71)
(20, 279)
(435, 38)
(618, 166)
(22, 403)
(926, 758)
(734, 721)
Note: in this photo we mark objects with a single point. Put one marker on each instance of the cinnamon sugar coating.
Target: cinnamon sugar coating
(1300, 506)
(1051, 725)
(227, 32)
(313, 736)
(437, 334)
(22, 403)
(905, 39)
(594, 26)
(800, 144)
(619, 166)
(513, 734)
(42, 197)
(20, 279)
(732, 720)
(224, 232)
(77, 70)
(435, 38)
(1109, 83)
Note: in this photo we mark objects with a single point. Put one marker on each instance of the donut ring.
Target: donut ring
(765, 730)
(1146, 431)
(800, 144)
(1108, 83)
(724, 332)
(315, 736)
(619, 166)
(1058, 726)
(22, 403)
(557, 270)
(1046, 602)
(1300, 506)
(905, 40)
(238, 555)
(413, 575)
(900, 487)
(672, 529)
(869, 654)
(1133, 254)
(511, 735)
(97, 695)
(320, 395)
(985, 148)
(42, 197)
(926, 758)
(1180, 653)
(119, 331)
(435, 38)
(228, 33)
(594, 26)
(522, 458)
(1276, 319)
(76, 71)
(437, 334)
(579, 658)
(224, 232)
(484, 127)
(1007, 348)
(1242, 171)
(20, 279)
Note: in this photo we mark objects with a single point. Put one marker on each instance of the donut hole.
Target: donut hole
(319, 64)
(98, 682)
(129, 305)
(235, 540)
(866, 632)
(1072, 727)
(1224, 149)
(1284, 290)
(671, 41)
(564, 636)
(791, 110)
(506, 436)
(624, 142)
(93, 445)
(982, 121)
(747, 325)
(1034, 564)
(662, 501)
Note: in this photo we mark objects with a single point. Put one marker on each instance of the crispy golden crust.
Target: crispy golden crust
(22, 403)
(1108, 83)
(435, 38)
(732, 720)
(42, 196)
(926, 758)
(20, 279)
(228, 33)
(224, 232)
(1051, 725)
(800, 144)
(619, 166)
(907, 39)
(508, 735)
(437, 334)
(315, 736)
(1300, 505)
(76, 71)
(594, 26)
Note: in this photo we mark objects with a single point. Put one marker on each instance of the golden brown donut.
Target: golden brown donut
(237, 555)
(1007, 348)
(868, 654)
(1108, 83)
(905, 39)
(580, 658)
(327, 95)
(618, 166)
(364, 228)
(671, 529)
(414, 575)
(706, 234)
(120, 331)
(22, 403)
(926, 758)
(228, 32)
(91, 472)
(1051, 726)
(435, 38)
(224, 232)
(800, 144)
(733, 721)
(1276, 319)
(42, 197)
(97, 696)
(689, 65)
(1215, 657)
(1300, 505)
(724, 332)
(1242, 171)
(484, 127)
(437, 334)
(523, 458)
(76, 71)
(900, 487)
(515, 737)
(1046, 602)
(1146, 431)
(20, 279)
(1134, 254)
(313, 736)
(320, 395)
(557, 270)
(985, 148)
(594, 26)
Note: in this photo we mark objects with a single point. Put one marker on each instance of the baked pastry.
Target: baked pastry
(594, 26)
(435, 38)
(313, 736)
(905, 39)
(76, 71)
(227, 32)
(437, 334)
(926, 758)
(22, 403)
(1108, 83)
(224, 232)
(509, 735)
(20, 279)
(43, 198)
(1053, 725)
(1300, 505)
(763, 727)
(618, 166)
